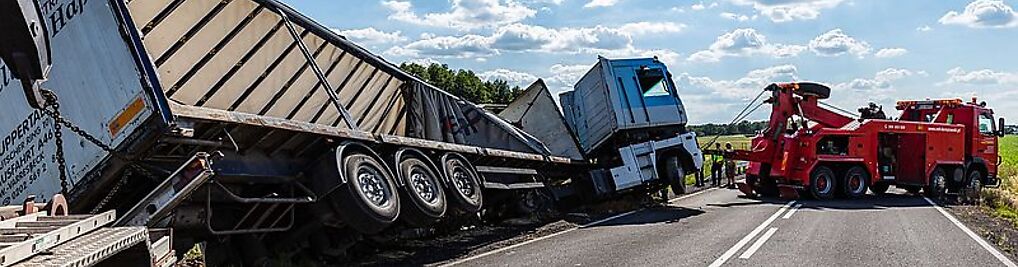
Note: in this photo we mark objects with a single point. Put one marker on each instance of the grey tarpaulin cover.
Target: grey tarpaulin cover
(437, 115)
(535, 112)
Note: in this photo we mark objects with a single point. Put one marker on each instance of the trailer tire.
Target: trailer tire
(423, 192)
(879, 188)
(822, 183)
(675, 175)
(368, 202)
(463, 185)
(937, 185)
(855, 181)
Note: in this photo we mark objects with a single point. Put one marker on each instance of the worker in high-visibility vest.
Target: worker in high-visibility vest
(716, 167)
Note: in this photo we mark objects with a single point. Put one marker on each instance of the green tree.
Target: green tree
(464, 83)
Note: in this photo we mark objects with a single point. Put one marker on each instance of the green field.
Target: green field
(1009, 170)
(738, 141)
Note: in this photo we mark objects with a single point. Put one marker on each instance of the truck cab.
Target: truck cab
(981, 130)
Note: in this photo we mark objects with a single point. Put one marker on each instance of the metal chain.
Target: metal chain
(58, 138)
(60, 121)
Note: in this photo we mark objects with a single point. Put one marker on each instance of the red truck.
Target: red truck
(938, 146)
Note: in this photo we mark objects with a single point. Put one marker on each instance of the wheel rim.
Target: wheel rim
(939, 183)
(462, 181)
(375, 189)
(855, 183)
(823, 184)
(423, 185)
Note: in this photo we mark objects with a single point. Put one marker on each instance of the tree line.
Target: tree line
(464, 83)
(744, 127)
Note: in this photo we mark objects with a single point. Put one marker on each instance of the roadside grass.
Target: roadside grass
(1003, 201)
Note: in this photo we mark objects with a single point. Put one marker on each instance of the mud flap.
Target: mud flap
(788, 192)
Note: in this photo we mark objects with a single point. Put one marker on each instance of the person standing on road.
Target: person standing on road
(729, 165)
(715, 167)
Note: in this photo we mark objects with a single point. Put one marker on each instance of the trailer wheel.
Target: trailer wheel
(368, 201)
(879, 188)
(822, 183)
(937, 184)
(674, 175)
(972, 191)
(424, 192)
(463, 184)
(853, 184)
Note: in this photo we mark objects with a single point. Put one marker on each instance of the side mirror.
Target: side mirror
(25, 48)
(1001, 127)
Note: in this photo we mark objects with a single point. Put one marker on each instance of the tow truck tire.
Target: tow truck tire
(814, 89)
(463, 185)
(424, 199)
(368, 201)
(855, 181)
(937, 185)
(822, 183)
(879, 188)
(971, 192)
(675, 175)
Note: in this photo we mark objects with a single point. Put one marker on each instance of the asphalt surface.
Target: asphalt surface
(719, 228)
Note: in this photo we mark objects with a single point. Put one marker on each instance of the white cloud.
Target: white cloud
(601, 3)
(641, 28)
(880, 82)
(789, 10)
(702, 6)
(464, 14)
(446, 46)
(980, 77)
(531, 38)
(424, 61)
(924, 28)
(983, 14)
(510, 76)
(736, 17)
(565, 76)
(836, 42)
(371, 36)
(891, 52)
(744, 42)
(522, 38)
(745, 87)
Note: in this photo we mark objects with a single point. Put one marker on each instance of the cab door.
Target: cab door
(986, 141)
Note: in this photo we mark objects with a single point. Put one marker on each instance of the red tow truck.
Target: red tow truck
(937, 146)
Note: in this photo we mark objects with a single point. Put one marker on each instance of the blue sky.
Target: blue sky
(721, 52)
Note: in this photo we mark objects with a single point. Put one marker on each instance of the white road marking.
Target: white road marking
(1003, 259)
(759, 243)
(731, 251)
(792, 211)
(478, 256)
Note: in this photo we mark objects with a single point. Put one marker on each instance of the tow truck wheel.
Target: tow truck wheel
(427, 201)
(675, 175)
(463, 184)
(879, 188)
(822, 182)
(853, 184)
(937, 184)
(974, 188)
(368, 201)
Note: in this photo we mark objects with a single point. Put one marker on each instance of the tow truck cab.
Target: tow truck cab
(981, 131)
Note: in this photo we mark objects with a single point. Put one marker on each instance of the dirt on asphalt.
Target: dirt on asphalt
(434, 247)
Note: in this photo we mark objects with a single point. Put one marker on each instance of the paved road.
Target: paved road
(716, 228)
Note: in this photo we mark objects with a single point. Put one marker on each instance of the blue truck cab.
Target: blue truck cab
(627, 115)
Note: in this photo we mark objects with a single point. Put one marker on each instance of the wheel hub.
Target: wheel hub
(375, 190)
(423, 186)
(461, 180)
